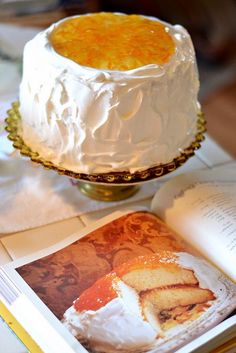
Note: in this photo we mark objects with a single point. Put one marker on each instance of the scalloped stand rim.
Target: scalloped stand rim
(108, 186)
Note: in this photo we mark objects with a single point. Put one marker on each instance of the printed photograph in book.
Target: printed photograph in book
(131, 285)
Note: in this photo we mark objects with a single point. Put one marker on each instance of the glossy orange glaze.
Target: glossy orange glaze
(98, 295)
(113, 42)
(162, 259)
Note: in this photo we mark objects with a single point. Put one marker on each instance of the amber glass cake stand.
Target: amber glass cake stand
(108, 186)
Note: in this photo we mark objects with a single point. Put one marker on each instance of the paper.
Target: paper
(97, 269)
(201, 207)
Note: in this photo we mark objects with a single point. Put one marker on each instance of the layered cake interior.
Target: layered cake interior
(154, 293)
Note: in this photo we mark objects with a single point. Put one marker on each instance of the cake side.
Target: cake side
(96, 121)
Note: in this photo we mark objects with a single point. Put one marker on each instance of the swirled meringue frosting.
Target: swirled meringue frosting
(110, 118)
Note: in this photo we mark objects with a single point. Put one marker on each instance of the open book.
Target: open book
(138, 280)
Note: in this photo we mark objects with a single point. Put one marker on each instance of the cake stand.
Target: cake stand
(112, 186)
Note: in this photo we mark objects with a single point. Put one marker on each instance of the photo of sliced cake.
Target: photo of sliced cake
(136, 305)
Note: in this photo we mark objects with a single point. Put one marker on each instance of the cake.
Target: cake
(109, 92)
(129, 309)
(104, 314)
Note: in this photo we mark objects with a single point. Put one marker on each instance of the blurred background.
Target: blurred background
(211, 24)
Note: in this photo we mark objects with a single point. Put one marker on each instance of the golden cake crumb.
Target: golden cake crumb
(113, 42)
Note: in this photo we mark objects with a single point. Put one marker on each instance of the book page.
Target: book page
(125, 284)
(201, 207)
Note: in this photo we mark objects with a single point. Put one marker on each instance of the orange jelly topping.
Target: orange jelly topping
(113, 42)
(98, 295)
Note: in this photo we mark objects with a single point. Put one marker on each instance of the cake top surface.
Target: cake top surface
(113, 42)
(162, 259)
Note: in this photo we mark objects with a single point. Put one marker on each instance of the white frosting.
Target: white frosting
(119, 324)
(97, 121)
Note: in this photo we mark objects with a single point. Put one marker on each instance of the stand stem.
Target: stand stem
(107, 192)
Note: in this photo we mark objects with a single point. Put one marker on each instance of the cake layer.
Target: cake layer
(158, 270)
(168, 298)
(97, 121)
(149, 279)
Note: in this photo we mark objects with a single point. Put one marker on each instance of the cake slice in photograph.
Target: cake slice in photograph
(133, 307)
(153, 271)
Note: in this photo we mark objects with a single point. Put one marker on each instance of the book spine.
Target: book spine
(8, 291)
(8, 294)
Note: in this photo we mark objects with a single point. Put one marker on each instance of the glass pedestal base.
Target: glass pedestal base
(107, 192)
